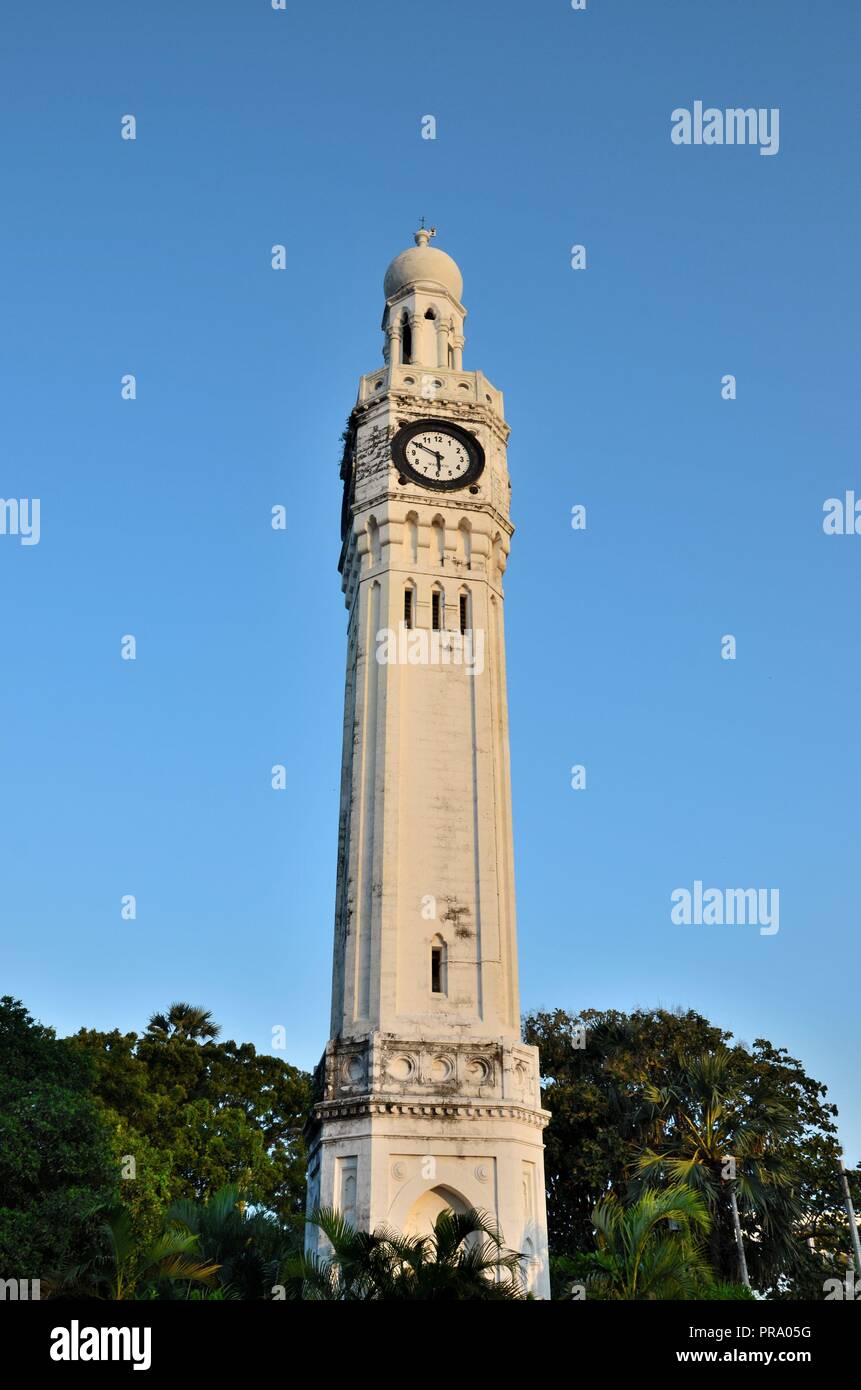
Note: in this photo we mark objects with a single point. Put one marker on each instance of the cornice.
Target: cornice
(415, 406)
(424, 497)
(353, 1106)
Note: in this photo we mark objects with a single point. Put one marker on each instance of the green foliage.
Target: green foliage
(649, 1250)
(55, 1157)
(198, 1114)
(644, 1086)
(595, 1096)
(183, 1021)
(128, 1268)
(648, 1111)
(714, 1107)
(250, 1247)
(722, 1292)
(463, 1259)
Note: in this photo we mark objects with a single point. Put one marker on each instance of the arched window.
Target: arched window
(406, 341)
(438, 537)
(465, 613)
(437, 610)
(496, 557)
(409, 606)
(411, 537)
(430, 313)
(373, 541)
(464, 543)
(438, 966)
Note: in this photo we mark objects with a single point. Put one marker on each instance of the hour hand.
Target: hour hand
(437, 456)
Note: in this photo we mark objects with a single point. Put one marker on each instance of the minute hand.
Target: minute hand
(437, 456)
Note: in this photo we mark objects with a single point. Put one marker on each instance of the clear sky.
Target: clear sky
(704, 516)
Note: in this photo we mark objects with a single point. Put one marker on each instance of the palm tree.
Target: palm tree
(250, 1247)
(127, 1267)
(710, 1130)
(648, 1250)
(184, 1022)
(463, 1259)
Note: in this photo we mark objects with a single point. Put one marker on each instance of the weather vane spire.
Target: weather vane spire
(424, 234)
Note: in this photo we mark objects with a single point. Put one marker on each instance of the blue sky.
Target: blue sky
(152, 257)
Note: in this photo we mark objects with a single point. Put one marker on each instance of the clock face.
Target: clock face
(437, 454)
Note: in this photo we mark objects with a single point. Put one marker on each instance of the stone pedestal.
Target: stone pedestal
(406, 1129)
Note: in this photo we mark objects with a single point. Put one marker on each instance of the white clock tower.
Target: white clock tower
(428, 1098)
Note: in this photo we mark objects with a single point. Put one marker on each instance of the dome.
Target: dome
(423, 262)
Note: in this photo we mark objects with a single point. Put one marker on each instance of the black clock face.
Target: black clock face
(437, 454)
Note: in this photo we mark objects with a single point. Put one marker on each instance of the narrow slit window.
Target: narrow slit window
(408, 608)
(436, 970)
(406, 343)
(436, 610)
(464, 613)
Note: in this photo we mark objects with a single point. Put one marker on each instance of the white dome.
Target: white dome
(423, 263)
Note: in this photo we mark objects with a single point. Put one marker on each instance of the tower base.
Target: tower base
(407, 1129)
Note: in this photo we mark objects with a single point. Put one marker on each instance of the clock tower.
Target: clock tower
(427, 1097)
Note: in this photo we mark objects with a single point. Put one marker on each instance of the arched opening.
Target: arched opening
(411, 537)
(438, 539)
(409, 606)
(348, 1198)
(425, 1210)
(430, 313)
(439, 966)
(465, 611)
(406, 341)
(373, 541)
(464, 543)
(496, 557)
(437, 609)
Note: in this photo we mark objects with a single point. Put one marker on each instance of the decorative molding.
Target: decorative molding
(349, 1107)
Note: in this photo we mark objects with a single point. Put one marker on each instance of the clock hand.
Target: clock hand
(437, 456)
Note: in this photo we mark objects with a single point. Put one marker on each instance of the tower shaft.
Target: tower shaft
(429, 1099)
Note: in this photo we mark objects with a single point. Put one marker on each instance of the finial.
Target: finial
(424, 234)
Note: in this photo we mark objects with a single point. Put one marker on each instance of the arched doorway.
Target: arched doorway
(426, 1208)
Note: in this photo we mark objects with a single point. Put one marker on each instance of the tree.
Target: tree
(55, 1154)
(716, 1125)
(464, 1259)
(649, 1250)
(822, 1243)
(595, 1096)
(249, 1247)
(196, 1116)
(128, 1269)
(183, 1022)
(602, 1100)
